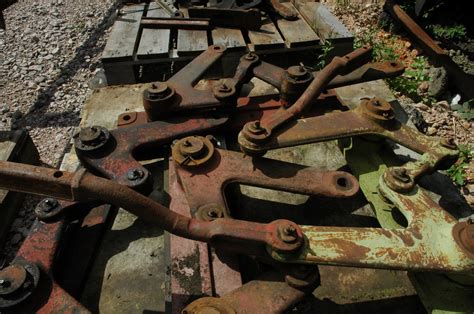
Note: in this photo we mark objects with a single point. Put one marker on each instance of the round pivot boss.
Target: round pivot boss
(17, 282)
(192, 151)
(91, 138)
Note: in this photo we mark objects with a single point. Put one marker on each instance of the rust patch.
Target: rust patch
(348, 248)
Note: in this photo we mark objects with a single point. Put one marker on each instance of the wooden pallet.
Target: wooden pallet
(133, 54)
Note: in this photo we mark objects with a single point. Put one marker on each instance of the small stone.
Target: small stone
(443, 104)
(438, 82)
(431, 130)
(421, 106)
(4, 108)
(55, 50)
(466, 125)
(423, 87)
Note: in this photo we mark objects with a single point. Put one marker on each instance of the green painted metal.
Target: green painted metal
(440, 293)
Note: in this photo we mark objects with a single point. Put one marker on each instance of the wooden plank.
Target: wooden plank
(121, 43)
(190, 41)
(297, 33)
(229, 37)
(323, 22)
(154, 42)
(267, 36)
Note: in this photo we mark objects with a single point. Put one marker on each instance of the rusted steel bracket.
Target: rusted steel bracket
(162, 99)
(372, 117)
(179, 94)
(115, 154)
(273, 292)
(338, 66)
(275, 76)
(29, 283)
(463, 81)
(216, 168)
(433, 241)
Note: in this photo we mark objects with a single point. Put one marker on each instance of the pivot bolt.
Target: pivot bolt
(400, 174)
(251, 56)
(448, 143)
(297, 72)
(212, 213)
(256, 128)
(223, 88)
(49, 204)
(91, 138)
(135, 174)
(158, 90)
(192, 147)
(4, 283)
(288, 233)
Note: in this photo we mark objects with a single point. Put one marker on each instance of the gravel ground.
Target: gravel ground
(49, 55)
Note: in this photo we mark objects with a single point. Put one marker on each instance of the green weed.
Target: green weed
(453, 32)
(456, 172)
(324, 55)
(465, 110)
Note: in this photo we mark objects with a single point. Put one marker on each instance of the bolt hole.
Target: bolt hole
(342, 182)
(216, 48)
(126, 117)
(347, 57)
(394, 64)
(58, 174)
(399, 218)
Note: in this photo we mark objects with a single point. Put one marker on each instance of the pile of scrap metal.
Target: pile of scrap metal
(178, 121)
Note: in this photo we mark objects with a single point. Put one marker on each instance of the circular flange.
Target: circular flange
(192, 151)
(208, 305)
(91, 138)
(209, 212)
(463, 233)
(17, 282)
(47, 208)
(378, 109)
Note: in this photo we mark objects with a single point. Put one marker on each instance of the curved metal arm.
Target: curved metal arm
(246, 237)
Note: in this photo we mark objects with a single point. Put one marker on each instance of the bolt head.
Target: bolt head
(90, 135)
(192, 147)
(255, 127)
(91, 138)
(288, 233)
(5, 283)
(49, 204)
(401, 174)
(158, 90)
(212, 213)
(135, 174)
(250, 56)
(223, 88)
(297, 72)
